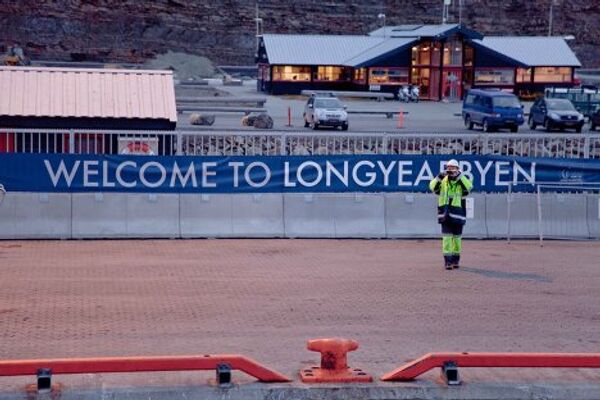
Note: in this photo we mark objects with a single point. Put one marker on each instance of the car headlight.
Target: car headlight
(554, 116)
(519, 115)
(344, 115)
(580, 116)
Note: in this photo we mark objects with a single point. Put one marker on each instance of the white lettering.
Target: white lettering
(87, 172)
(483, 171)
(370, 175)
(330, 169)
(122, 182)
(61, 172)
(105, 181)
(386, 171)
(248, 177)
(286, 175)
(189, 174)
(236, 171)
(161, 168)
(466, 168)
(402, 172)
(316, 180)
(529, 177)
(425, 174)
(500, 172)
(206, 173)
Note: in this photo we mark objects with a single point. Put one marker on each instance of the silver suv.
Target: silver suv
(325, 111)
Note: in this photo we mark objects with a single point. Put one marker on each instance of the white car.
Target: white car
(325, 111)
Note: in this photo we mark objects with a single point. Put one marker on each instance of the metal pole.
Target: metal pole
(508, 211)
(539, 209)
(550, 18)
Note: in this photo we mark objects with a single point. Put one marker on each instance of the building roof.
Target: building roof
(424, 31)
(532, 51)
(345, 50)
(87, 93)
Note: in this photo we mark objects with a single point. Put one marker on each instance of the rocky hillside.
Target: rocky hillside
(224, 30)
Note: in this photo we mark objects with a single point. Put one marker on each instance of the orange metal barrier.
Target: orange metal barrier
(141, 364)
(429, 361)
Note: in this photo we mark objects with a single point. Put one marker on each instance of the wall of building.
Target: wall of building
(132, 30)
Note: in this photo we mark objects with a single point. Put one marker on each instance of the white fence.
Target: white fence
(272, 143)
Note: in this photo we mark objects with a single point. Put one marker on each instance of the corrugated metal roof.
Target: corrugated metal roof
(378, 50)
(87, 93)
(414, 31)
(316, 49)
(533, 50)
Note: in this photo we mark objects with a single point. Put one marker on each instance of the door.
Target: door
(451, 84)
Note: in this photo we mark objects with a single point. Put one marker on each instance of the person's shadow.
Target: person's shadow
(517, 276)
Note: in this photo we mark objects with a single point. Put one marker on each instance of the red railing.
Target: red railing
(429, 361)
(141, 364)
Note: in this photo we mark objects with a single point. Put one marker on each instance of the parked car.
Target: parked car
(325, 111)
(595, 119)
(555, 114)
(492, 109)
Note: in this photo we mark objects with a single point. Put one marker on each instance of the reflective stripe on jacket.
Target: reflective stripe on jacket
(451, 204)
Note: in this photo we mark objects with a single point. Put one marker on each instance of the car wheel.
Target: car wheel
(314, 126)
(514, 129)
(486, 126)
(593, 127)
(306, 124)
(579, 128)
(548, 125)
(344, 127)
(468, 123)
(532, 124)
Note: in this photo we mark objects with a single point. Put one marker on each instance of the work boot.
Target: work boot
(448, 262)
(456, 262)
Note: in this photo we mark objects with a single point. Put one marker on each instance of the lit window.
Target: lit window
(552, 74)
(291, 73)
(329, 73)
(524, 75)
(389, 76)
(494, 77)
(360, 75)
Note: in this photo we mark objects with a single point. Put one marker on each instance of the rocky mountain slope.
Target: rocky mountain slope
(224, 30)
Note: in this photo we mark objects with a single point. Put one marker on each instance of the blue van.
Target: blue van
(492, 109)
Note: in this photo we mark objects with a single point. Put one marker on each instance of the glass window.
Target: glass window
(421, 54)
(524, 75)
(552, 74)
(494, 77)
(453, 52)
(329, 73)
(470, 99)
(559, 105)
(389, 76)
(506, 101)
(328, 103)
(469, 56)
(291, 73)
(360, 75)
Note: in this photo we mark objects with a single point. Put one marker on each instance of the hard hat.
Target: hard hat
(452, 163)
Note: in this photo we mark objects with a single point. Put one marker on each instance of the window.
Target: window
(552, 74)
(470, 99)
(506, 101)
(453, 52)
(329, 73)
(421, 54)
(494, 77)
(360, 75)
(524, 75)
(291, 73)
(469, 56)
(389, 76)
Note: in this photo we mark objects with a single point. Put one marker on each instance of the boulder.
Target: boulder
(202, 119)
(263, 121)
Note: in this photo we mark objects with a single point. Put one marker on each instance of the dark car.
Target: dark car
(555, 114)
(595, 119)
(492, 109)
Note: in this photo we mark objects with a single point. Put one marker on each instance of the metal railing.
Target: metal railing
(274, 143)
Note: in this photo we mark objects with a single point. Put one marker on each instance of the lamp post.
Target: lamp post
(381, 17)
(551, 16)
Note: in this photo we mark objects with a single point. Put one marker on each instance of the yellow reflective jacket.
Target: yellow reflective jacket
(451, 202)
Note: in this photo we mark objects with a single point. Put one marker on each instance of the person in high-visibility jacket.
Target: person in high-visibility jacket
(451, 186)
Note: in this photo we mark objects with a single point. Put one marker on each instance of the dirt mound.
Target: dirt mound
(187, 67)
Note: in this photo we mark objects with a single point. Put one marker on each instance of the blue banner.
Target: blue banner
(336, 173)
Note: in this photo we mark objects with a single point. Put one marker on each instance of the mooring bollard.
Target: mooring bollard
(334, 362)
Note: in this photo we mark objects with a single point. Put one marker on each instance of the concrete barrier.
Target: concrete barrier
(308, 215)
(35, 216)
(411, 215)
(564, 215)
(206, 215)
(257, 215)
(359, 215)
(99, 215)
(153, 215)
(593, 215)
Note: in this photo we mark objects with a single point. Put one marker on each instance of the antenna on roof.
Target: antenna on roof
(445, 10)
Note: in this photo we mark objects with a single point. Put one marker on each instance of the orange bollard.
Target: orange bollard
(334, 362)
(400, 119)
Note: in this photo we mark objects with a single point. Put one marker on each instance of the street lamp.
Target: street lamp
(381, 17)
